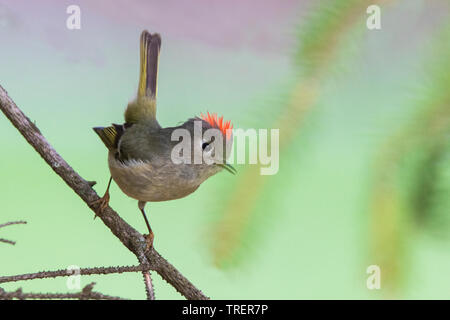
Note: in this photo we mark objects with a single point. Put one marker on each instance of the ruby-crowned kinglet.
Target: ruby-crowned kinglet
(141, 152)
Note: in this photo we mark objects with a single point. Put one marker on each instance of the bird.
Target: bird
(141, 153)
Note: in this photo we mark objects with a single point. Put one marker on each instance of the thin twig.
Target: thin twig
(130, 237)
(86, 293)
(7, 241)
(67, 272)
(11, 223)
(149, 291)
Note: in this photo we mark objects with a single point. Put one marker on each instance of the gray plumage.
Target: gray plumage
(142, 167)
(140, 150)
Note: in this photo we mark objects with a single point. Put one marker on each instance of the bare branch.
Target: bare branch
(129, 236)
(7, 241)
(149, 291)
(86, 294)
(66, 273)
(11, 223)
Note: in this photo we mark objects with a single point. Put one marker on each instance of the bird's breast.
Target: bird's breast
(145, 182)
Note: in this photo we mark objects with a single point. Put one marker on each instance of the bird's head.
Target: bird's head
(211, 143)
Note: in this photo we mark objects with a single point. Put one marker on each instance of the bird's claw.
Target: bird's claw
(149, 240)
(100, 204)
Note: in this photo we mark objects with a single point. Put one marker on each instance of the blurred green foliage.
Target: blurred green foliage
(364, 161)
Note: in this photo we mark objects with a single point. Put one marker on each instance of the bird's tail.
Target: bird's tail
(150, 46)
(145, 105)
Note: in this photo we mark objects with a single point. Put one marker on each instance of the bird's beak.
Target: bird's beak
(227, 167)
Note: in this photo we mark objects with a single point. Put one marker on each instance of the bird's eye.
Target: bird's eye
(207, 146)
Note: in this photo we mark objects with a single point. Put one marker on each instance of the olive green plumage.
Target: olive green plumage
(143, 109)
(140, 150)
(142, 145)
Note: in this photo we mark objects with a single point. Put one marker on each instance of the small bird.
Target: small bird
(140, 156)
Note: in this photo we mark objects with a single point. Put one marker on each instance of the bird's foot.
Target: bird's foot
(100, 204)
(149, 240)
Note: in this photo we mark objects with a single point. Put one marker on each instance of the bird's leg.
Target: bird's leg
(103, 202)
(149, 237)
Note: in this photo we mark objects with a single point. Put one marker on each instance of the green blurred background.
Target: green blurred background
(364, 119)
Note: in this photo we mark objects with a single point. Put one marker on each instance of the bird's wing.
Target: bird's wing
(110, 135)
